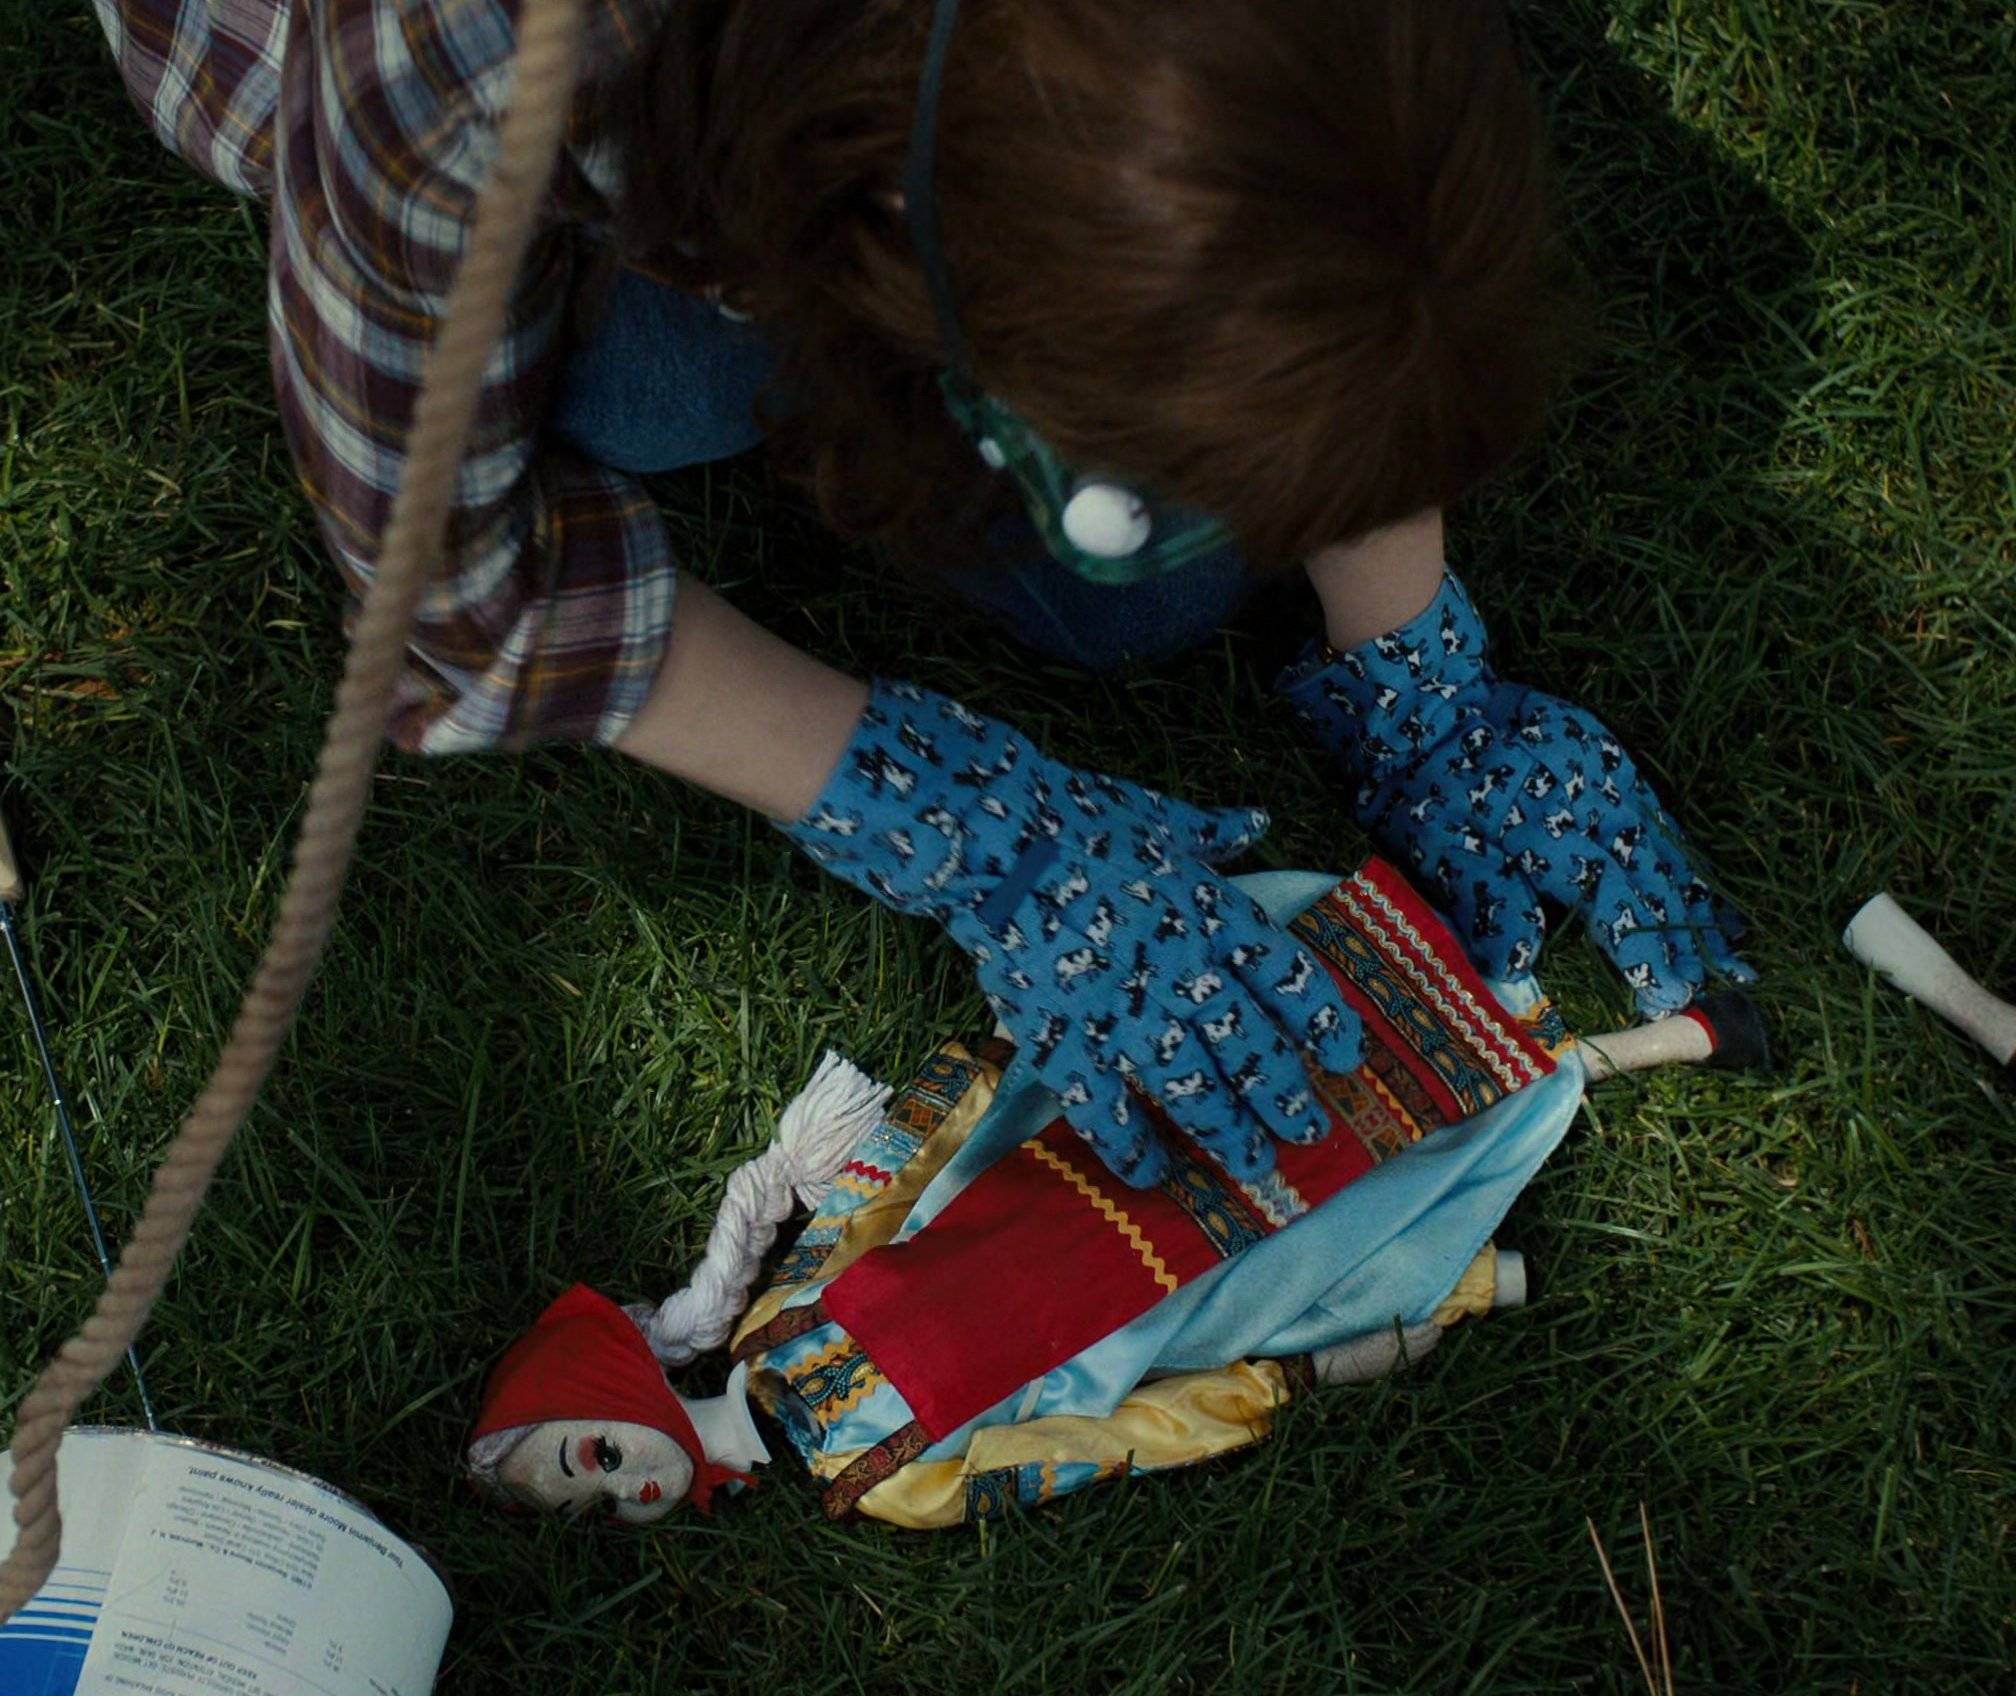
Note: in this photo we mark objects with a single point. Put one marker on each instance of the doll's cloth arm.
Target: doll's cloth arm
(1499, 797)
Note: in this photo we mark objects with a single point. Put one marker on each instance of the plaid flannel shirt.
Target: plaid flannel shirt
(369, 124)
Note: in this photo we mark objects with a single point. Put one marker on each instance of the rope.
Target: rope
(528, 143)
(816, 1133)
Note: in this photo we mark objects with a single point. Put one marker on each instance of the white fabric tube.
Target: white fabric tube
(1361, 1360)
(1885, 937)
(1677, 1041)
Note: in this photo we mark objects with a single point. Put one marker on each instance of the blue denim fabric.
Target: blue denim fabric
(664, 381)
(1097, 627)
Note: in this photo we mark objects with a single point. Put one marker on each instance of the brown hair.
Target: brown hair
(1290, 261)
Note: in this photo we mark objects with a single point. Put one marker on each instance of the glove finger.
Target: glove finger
(1715, 931)
(1238, 1051)
(1723, 960)
(1660, 923)
(1178, 1068)
(1287, 985)
(1098, 1106)
(1295, 1111)
(1211, 834)
(1632, 922)
(1260, 1068)
(1496, 916)
(1310, 1007)
(1219, 1123)
(1311, 1024)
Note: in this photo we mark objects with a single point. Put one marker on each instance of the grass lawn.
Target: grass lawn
(1771, 538)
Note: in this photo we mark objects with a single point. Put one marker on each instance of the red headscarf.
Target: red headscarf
(584, 1361)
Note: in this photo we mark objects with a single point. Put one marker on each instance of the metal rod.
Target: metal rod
(28, 1000)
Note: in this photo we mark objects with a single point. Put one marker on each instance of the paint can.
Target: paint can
(190, 1569)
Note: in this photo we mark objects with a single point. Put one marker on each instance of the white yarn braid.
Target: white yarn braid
(814, 1137)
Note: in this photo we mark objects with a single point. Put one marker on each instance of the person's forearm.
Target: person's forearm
(1380, 581)
(741, 712)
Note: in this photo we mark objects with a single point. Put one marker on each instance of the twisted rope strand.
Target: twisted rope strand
(815, 1135)
(528, 143)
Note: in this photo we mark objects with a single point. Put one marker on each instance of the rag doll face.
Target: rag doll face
(575, 1467)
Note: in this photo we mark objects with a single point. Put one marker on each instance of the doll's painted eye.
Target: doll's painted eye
(607, 1455)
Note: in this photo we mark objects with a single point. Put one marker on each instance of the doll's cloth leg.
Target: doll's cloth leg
(662, 381)
(1098, 627)
(1376, 1354)
(1394, 1244)
(1390, 1246)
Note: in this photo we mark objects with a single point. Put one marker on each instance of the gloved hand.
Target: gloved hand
(1102, 937)
(1498, 796)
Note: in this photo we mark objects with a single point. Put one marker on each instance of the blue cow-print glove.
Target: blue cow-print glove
(1102, 936)
(1499, 797)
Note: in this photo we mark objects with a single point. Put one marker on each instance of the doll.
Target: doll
(979, 1315)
